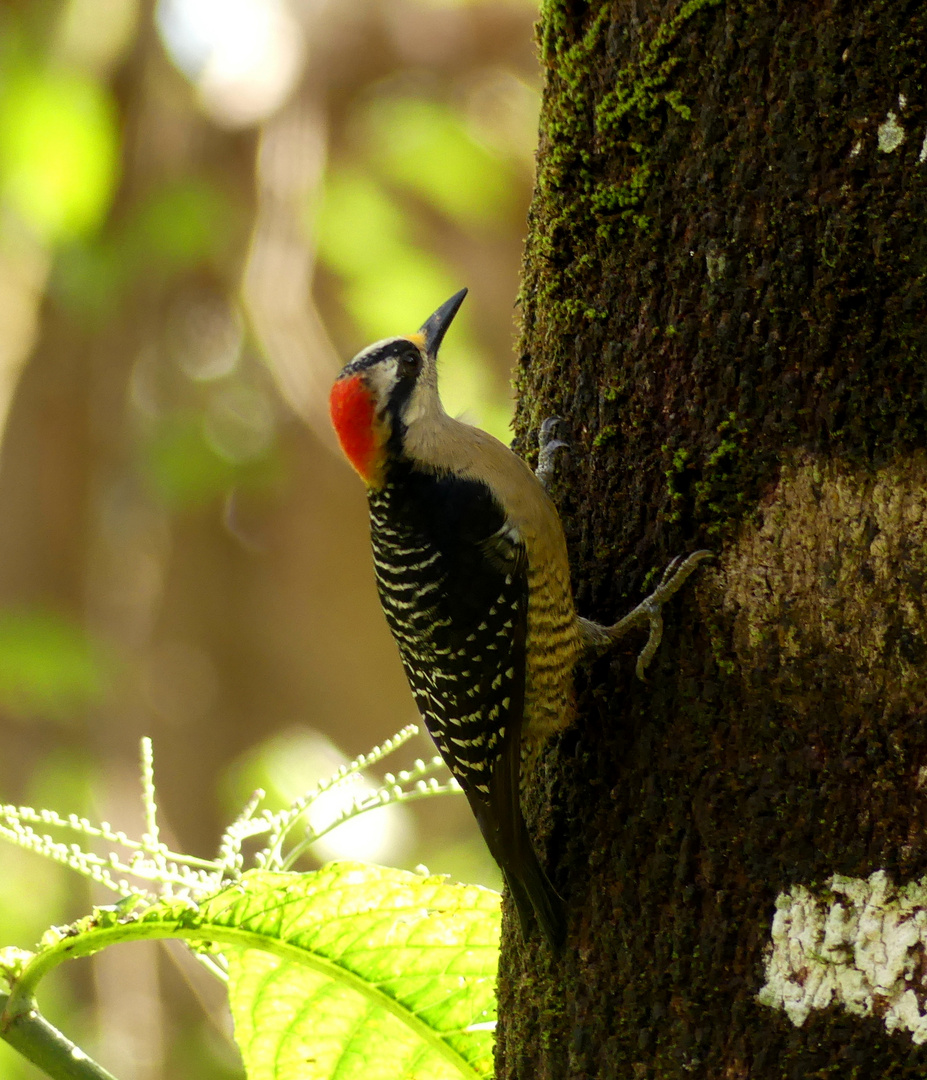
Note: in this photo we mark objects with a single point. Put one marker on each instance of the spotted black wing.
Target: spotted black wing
(452, 576)
(453, 583)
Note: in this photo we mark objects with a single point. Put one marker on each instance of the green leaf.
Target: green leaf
(174, 227)
(395, 970)
(349, 971)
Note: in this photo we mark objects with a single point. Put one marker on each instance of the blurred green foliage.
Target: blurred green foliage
(369, 236)
(363, 235)
(59, 148)
(49, 666)
(173, 228)
(177, 226)
(424, 146)
(188, 468)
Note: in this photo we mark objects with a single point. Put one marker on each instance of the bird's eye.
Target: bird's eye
(409, 364)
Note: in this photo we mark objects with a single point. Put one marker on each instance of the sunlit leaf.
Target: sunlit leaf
(48, 665)
(58, 150)
(358, 222)
(352, 972)
(390, 973)
(396, 298)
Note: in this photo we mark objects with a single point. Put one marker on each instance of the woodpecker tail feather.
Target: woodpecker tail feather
(510, 844)
(532, 892)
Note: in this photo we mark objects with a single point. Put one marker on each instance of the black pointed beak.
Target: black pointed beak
(435, 327)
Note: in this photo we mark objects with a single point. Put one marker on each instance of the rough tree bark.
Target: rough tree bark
(725, 295)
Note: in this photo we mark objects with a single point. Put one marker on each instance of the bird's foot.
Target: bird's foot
(649, 612)
(549, 445)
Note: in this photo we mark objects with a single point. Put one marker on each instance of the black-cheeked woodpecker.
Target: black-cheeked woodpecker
(473, 575)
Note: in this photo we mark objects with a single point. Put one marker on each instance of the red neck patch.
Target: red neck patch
(353, 413)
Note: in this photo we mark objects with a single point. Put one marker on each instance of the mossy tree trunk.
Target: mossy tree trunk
(725, 296)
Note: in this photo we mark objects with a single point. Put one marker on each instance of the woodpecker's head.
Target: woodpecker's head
(388, 389)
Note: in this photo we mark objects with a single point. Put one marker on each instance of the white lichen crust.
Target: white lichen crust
(860, 944)
(890, 134)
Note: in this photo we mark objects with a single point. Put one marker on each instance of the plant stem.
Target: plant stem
(45, 1046)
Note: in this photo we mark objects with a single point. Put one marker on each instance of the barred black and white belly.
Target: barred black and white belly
(454, 594)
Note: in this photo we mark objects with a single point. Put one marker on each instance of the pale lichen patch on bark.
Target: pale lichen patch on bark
(861, 945)
(835, 565)
(891, 134)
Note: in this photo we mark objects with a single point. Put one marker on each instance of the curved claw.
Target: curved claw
(549, 445)
(649, 612)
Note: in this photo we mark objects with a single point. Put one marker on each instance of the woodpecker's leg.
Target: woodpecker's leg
(648, 612)
(549, 444)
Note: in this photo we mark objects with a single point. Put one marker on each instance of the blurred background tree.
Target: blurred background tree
(206, 207)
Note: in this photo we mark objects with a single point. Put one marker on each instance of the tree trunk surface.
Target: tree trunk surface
(724, 295)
